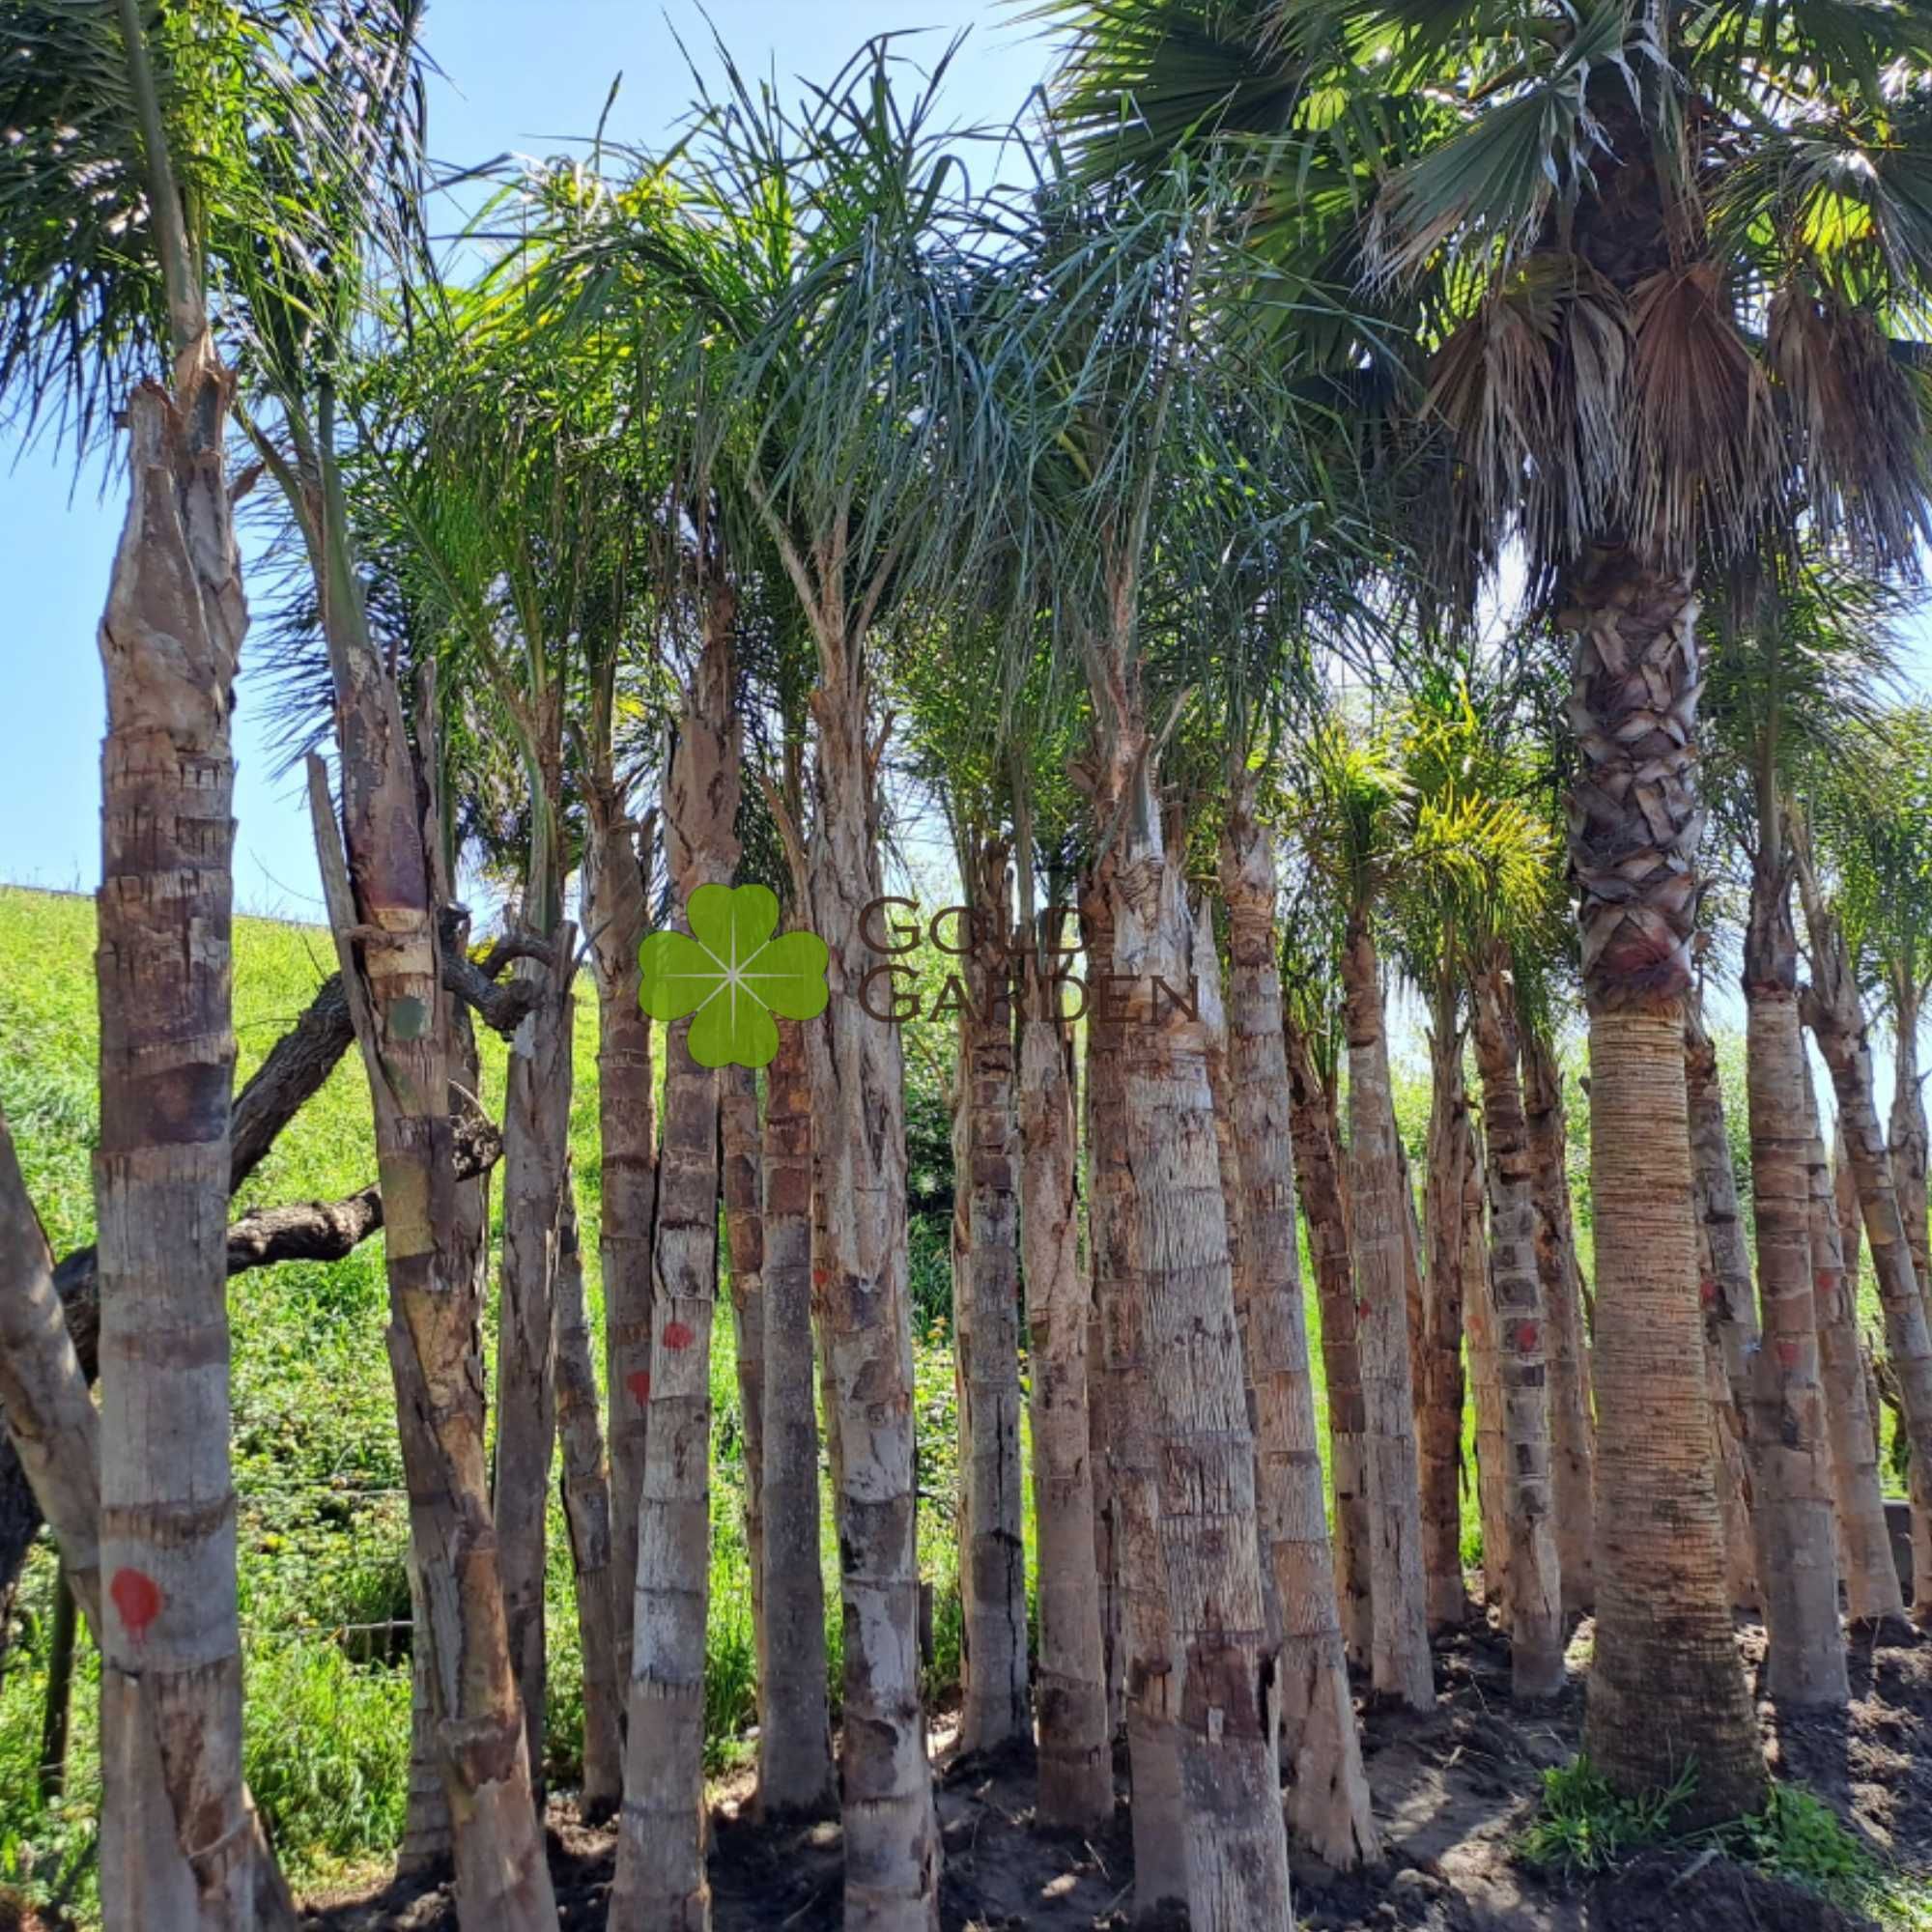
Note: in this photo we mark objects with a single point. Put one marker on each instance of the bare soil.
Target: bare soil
(1453, 1790)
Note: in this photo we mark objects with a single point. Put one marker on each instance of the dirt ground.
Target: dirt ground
(1452, 1791)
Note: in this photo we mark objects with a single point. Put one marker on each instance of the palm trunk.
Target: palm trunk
(1076, 1768)
(660, 1874)
(52, 1424)
(1535, 1587)
(1572, 1430)
(1178, 1291)
(795, 1732)
(1486, 1391)
(992, 1572)
(1908, 1148)
(1835, 1015)
(1730, 1311)
(586, 1513)
(1328, 1793)
(1318, 1169)
(739, 1138)
(1400, 1653)
(171, 1655)
(387, 942)
(1157, 1813)
(618, 918)
(536, 1135)
(428, 1840)
(1864, 1545)
(1804, 1660)
(1666, 1688)
(891, 1839)
(1439, 1414)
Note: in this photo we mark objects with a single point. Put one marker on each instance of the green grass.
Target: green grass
(1583, 1828)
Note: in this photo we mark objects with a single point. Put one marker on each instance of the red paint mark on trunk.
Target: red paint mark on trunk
(639, 1386)
(678, 1336)
(819, 1277)
(138, 1599)
(1707, 1292)
(1526, 1336)
(1787, 1353)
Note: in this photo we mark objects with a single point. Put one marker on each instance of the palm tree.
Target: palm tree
(1792, 660)
(1654, 318)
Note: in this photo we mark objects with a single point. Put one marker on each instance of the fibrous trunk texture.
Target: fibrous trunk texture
(170, 1639)
(1076, 1765)
(1328, 1792)
(1535, 1587)
(536, 1149)
(891, 1838)
(387, 942)
(1805, 1661)
(1908, 1149)
(1836, 1014)
(1220, 1689)
(985, 1294)
(745, 1246)
(1665, 1686)
(1317, 1170)
(428, 1833)
(1486, 1392)
(1572, 1427)
(51, 1422)
(587, 1515)
(1864, 1545)
(1127, 1366)
(660, 1875)
(617, 918)
(1438, 1422)
(1731, 1309)
(795, 1732)
(1399, 1657)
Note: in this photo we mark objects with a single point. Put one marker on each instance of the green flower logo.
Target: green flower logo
(732, 973)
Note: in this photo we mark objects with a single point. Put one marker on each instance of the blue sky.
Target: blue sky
(516, 77)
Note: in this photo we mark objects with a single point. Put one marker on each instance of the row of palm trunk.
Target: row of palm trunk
(1174, 1425)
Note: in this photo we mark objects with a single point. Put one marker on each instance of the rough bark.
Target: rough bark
(536, 1140)
(1805, 1661)
(1486, 1393)
(1535, 1587)
(1157, 1813)
(795, 1735)
(1572, 1427)
(1908, 1150)
(1731, 1309)
(1439, 1413)
(376, 882)
(1318, 1169)
(745, 1247)
(1220, 1689)
(891, 1839)
(171, 1652)
(1864, 1545)
(1835, 1015)
(1399, 1656)
(617, 918)
(1328, 1791)
(1076, 1768)
(52, 1424)
(660, 1875)
(1665, 1685)
(995, 1710)
(587, 1515)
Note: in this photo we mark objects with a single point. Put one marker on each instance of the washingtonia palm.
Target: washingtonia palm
(1656, 269)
